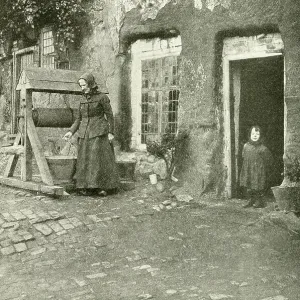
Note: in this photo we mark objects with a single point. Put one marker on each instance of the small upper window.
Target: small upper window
(48, 50)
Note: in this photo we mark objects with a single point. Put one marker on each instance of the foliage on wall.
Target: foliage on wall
(211, 4)
(148, 8)
(24, 18)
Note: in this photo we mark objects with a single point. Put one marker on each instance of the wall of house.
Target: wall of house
(5, 93)
(202, 25)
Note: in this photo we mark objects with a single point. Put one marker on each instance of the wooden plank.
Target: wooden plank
(57, 80)
(13, 117)
(33, 186)
(13, 159)
(54, 86)
(236, 82)
(227, 131)
(12, 150)
(39, 153)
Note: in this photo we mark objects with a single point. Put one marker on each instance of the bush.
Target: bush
(167, 149)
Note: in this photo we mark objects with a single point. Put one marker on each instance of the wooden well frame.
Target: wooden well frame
(27, 144)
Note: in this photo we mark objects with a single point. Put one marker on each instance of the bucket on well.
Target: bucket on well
(62, 167)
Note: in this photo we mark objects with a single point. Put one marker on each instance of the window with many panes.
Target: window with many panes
(48, 50)
(155, 89)
(160, 94)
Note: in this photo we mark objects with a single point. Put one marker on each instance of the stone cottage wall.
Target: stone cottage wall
(202, 25)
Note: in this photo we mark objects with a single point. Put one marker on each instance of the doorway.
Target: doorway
(257, 98)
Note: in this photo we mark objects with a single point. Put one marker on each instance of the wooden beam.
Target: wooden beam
(13, 118)
(227, 129)
(18, 150)
(26, 109)
(39, 153)
(33, 186)
(13, 159)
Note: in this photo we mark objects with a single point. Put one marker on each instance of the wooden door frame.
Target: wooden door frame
(233, 55)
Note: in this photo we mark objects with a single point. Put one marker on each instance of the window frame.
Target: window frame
(42, 48)
(144, 50)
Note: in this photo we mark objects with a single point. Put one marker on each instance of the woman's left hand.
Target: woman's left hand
(110, 137)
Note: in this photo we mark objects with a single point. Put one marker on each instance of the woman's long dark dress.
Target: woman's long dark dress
(96, 167)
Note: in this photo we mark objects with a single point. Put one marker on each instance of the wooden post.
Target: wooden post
(236, 83)
(13, 100)
(39, 153)
(26, 166)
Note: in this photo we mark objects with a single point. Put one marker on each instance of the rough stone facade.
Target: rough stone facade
(202, 25)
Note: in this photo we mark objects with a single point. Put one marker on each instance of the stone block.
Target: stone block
(43, 228)
(5, 243)
(8, 217)
(184, 198)
(151, 159)
(8, 250)
(7, 225)
(18, 215)
(145, 169)
(38, 251)
(55, 226)
(20, 247)
(65, 223)
(160, 169)
(76, 222)
(16, 238)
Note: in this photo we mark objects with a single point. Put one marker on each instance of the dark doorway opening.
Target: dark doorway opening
(257, 98)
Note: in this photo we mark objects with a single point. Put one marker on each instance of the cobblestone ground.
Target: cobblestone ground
(142, 244)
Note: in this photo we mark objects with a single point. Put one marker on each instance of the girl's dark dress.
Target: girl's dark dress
(96, 167)
(257, 162)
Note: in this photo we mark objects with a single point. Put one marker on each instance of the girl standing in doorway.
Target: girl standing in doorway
(256, 168)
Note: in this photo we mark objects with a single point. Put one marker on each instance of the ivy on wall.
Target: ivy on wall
(23, 19)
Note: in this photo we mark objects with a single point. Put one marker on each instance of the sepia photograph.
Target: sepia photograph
(150, 149)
